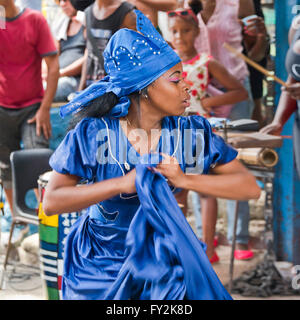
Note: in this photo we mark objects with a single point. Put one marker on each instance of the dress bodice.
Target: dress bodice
(98, 149)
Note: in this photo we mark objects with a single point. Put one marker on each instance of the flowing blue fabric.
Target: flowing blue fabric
(132, 61)
(136, 246)
(164, 258)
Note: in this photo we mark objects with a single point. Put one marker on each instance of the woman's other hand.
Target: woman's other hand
(170, 168)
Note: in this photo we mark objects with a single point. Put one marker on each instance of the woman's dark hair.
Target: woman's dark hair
(196, 6)
(100, 106)
(96, 109)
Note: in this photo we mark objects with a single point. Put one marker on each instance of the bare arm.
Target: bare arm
(294, 27)
(72, 70)
(82, 83)
(229, 181)
(52, 78)
(286, 107)
(287, 104)
(63, 195)
(288, 99)
(246, 8)
(235, 90)
(256, 39)
(256, 42)
(161, 5)
(42, 117)
(129, 21)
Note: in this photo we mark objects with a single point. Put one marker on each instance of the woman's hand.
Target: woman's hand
(170, 169)
(128, 182)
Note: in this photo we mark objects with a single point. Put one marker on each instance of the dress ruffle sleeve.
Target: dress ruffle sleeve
(216, 150)
(77, 154)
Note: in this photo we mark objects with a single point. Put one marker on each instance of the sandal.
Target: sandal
(215, 258)
(243, 254)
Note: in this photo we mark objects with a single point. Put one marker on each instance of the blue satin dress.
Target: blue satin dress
(138, 246)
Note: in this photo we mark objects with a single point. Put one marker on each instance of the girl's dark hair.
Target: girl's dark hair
(196, 6)
(100, 106)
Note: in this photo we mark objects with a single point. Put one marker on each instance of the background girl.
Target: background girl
(199, 69)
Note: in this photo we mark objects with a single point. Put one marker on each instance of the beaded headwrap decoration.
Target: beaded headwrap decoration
(132, 60)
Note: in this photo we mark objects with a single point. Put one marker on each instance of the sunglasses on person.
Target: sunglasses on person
(182, 14)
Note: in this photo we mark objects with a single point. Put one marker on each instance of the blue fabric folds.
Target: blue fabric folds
(164, 258)
(137, 246)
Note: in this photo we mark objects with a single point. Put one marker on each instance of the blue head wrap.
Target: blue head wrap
(132, 60)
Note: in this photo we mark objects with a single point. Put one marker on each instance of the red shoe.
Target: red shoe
(215, 258)
(243, 254)
(216, 242)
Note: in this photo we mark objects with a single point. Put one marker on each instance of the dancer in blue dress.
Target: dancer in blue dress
(135, 150)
